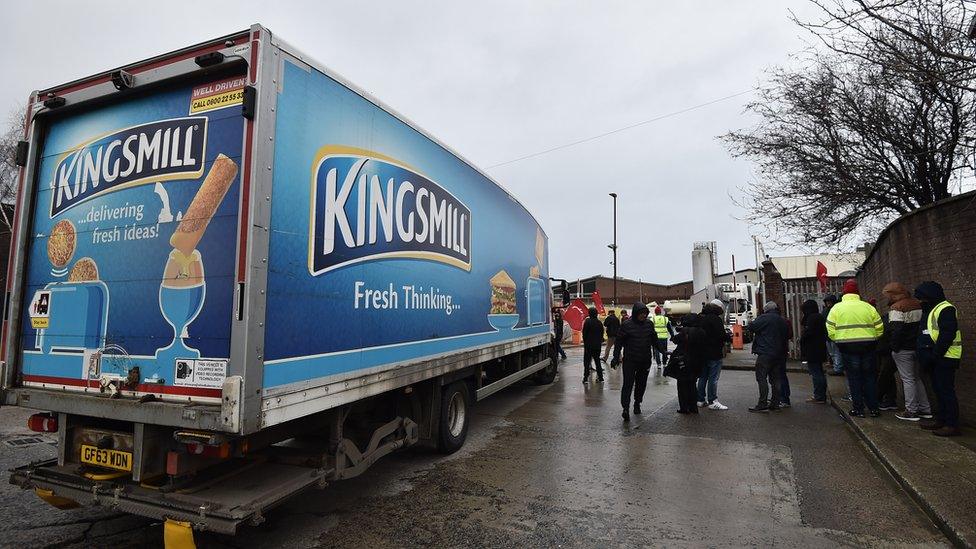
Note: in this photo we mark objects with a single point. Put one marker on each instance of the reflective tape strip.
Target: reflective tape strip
(854, 326)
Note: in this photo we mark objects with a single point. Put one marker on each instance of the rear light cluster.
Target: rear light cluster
(43, 423)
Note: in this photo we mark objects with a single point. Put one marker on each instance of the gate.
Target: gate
(795, 292)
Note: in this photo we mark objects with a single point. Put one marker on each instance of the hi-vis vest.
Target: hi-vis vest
(955, 350)
(854, 321)
(661, 327)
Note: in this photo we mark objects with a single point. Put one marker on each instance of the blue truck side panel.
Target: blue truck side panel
(384, 246)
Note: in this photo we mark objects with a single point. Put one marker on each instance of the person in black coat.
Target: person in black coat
(592, 341)
(612, 325)
(637, 339)
(813, 348)
(557, 324)
(691, 351)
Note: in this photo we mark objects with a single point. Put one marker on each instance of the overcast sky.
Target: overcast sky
(499, 81)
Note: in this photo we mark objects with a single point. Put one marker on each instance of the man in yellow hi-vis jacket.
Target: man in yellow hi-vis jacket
(855, 326)
(940, 352)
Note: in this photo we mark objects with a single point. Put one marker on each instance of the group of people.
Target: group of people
(919, 337)
(641, 341)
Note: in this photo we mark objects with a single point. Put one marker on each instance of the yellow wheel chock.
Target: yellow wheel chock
(56, 501)
(178, 535)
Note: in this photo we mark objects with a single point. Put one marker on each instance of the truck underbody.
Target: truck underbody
(197, 485)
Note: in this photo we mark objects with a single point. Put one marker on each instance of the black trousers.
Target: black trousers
(687, 394)
(944, 382)
(767, 373)
(635, 380)
(592, 353)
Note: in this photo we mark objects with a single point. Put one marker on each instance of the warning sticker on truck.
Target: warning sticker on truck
(200, 373)
(40, 309)
(217, 95)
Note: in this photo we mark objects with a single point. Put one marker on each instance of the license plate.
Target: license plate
(113, 459)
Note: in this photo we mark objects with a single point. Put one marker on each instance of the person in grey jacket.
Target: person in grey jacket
(770, 332)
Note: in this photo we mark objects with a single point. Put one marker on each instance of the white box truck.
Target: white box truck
(235, 276)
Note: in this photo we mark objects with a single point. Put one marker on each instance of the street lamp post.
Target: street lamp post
(614, 248)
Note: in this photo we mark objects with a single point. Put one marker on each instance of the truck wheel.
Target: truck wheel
(547, 375)
(454, 418)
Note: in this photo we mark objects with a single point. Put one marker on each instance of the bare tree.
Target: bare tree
(944, 29)
(9, 170)
(853, 139)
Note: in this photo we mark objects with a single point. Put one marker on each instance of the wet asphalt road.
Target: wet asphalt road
(555, 466)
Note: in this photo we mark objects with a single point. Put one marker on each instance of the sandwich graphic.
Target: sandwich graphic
(502, 294)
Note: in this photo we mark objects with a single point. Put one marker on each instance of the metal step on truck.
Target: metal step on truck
(235, 276)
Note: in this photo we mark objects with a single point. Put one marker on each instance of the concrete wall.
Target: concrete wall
(937, 242)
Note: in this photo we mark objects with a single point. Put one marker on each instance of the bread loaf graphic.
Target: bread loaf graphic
(204, 205)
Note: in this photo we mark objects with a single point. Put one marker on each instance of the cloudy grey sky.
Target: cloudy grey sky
(498, 81)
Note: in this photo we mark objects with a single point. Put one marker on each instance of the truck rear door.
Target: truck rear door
(128, 272)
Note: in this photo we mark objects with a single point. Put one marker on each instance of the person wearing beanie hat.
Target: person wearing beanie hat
(833, 351)
(856, 327)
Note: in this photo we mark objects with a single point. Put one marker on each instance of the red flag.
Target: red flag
(575, 314)
(822, 276)
(598, 302)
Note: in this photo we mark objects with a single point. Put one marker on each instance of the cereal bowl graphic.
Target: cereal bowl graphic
(502, 315)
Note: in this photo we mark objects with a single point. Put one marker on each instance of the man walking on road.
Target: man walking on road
(941, 353)
(904, 327)
(769, 345)
(856, 326)
(637, 339)
(592, 340)
(557, 324)
(712, 320)
(612, 325)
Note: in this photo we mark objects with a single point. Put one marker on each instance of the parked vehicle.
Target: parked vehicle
(234, 276)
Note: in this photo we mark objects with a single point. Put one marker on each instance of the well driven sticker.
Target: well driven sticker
(217, 95)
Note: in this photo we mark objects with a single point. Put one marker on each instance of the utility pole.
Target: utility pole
(614, 248)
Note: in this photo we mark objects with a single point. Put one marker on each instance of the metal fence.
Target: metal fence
(795, 292)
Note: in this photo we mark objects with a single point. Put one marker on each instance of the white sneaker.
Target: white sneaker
(717, 406)
(702, 404)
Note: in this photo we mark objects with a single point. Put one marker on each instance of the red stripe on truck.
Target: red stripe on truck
(141, 388)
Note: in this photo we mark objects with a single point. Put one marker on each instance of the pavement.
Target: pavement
(939, 473)
(555, 466)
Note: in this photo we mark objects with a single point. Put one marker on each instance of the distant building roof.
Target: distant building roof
(805, 266)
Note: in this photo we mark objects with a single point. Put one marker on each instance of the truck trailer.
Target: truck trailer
(235, 276)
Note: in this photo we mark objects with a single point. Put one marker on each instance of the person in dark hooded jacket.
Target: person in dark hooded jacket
(940, 350)
(692, 351)
(612, 324)
(592, 342)
(712, 321)
(813, 348)
(637, 339)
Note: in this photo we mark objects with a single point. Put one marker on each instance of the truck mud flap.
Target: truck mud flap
(219, 505)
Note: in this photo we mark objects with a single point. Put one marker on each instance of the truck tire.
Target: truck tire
(455, 415)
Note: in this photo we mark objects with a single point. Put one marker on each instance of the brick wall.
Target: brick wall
(937, 242)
